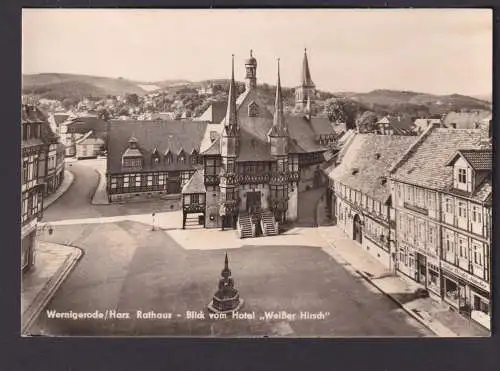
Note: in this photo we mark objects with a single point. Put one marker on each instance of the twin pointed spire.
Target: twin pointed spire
(231, 119)
(306, 73)
(278, 128)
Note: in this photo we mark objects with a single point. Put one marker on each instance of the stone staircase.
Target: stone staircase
(268, 224)
(245, 227)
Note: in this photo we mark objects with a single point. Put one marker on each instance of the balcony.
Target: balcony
(417, 209)
(211, 180)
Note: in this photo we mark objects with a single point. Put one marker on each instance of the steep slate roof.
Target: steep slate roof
(214, 113)
(162, 135)
(253, 131)
(322, 126)
(196, 184)
(465, 120)
(425, 163)
(366, 163)
(479, 159)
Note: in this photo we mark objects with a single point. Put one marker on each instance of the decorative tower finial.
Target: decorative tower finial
(251, 72)
(278, 128)
(306, 89)
(231, 119)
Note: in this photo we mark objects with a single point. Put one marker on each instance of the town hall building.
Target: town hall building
(244, 172)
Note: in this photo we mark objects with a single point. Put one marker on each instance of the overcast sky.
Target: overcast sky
(435, 51)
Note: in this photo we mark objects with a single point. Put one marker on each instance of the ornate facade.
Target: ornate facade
(256, 161)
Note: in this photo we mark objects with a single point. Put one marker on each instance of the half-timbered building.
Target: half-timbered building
(148, 159)
(442, 192)
(359, 196)
(34, 149)
(256, 161)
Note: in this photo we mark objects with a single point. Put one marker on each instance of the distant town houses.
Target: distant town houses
(42, 172)
(83, 135)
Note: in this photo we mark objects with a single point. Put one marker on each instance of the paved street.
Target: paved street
(76, 202)
(128, 267)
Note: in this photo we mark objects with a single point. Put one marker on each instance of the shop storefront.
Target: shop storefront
(407, 262)
(433, 277)
(468, 294)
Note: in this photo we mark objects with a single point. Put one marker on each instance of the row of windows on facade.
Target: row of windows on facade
(139, 180)
(416, 196)
(31, 130)
(168, 159)
(477, 266)
(275, 192)
(30, 205)
(357, 197)
(456, 249)
(212, 166)
(30, 169)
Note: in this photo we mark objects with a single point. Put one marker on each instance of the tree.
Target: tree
(365, 122)
(103, 114)
(132, 99)
(343, 110)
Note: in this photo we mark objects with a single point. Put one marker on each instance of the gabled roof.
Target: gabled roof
(196, 184)
(478, 159)
(366, 162)
(165, 136)
(91, 141)
(425, 163)
(214, 114)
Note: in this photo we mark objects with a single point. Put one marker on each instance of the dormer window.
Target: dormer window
(253, 109)
(155, 157)
(132, 157)
(213, 136)
(181, 157)
(194, 157)
(462, 176)
(169, 157)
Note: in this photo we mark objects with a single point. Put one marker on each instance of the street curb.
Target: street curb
(407, 310)
(100, 184)
(69, 174)
(352, 269)
(50, 288)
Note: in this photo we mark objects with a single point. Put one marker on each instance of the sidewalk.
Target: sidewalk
(66, 183)
(100, 196)
(434, 314)
(53, 264)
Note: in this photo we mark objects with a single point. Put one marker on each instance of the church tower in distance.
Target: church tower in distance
(306, 90)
